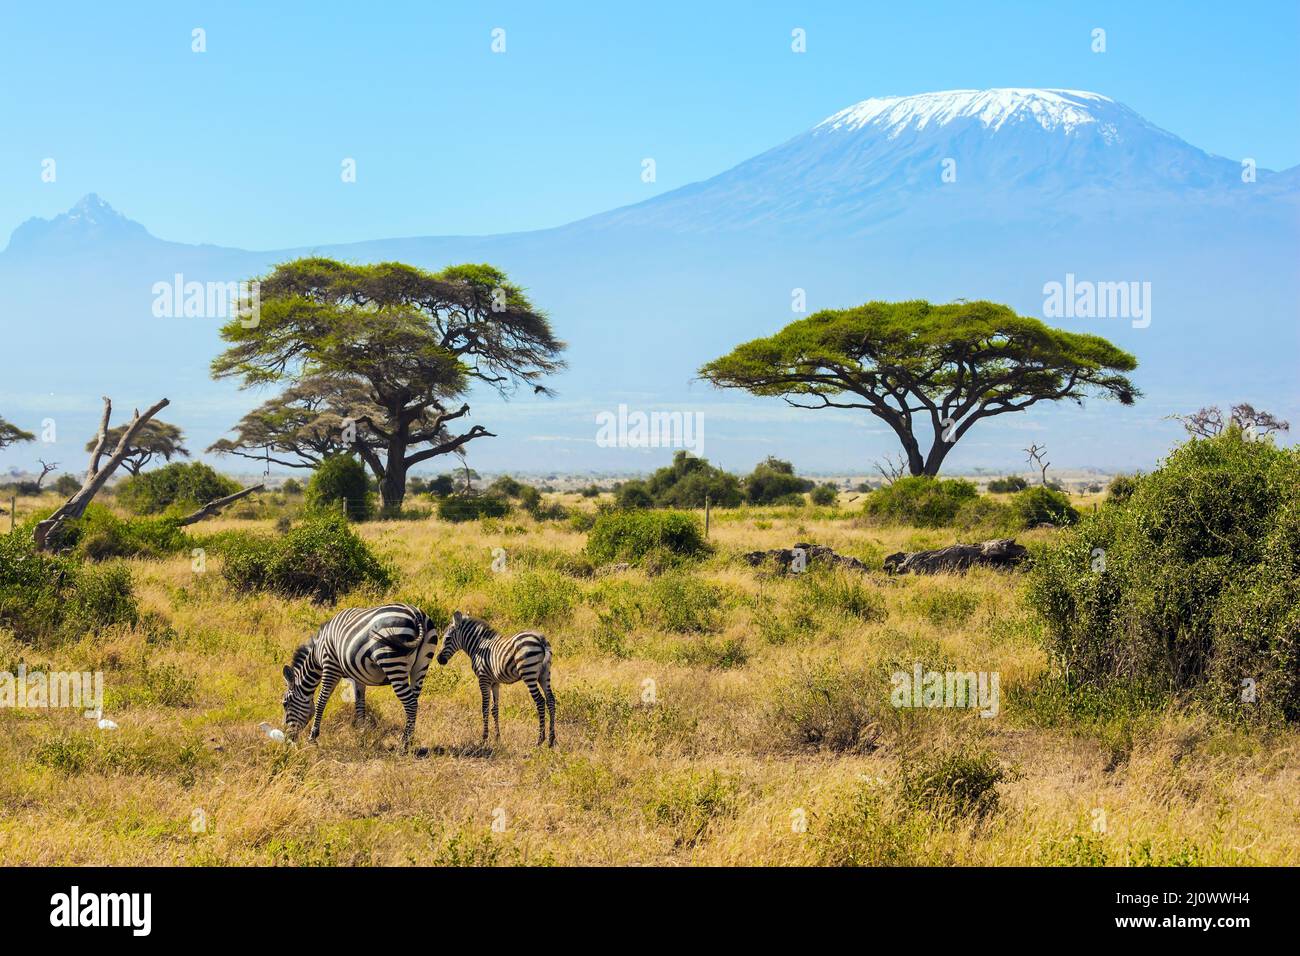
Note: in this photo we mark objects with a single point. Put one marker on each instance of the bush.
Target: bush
(633, 494)
(774, 481)
(459, 508)
(291, 486)
(1035, 506)
(921, 501)
(320, 558)
(67, 485)
(1192, 584)
(634, 536)
(952, 783)
(825, 495)
(1011, 483)
(688, 481)
(99, 535)
(176, 486)
(828, 707)
(340, 478)
(1121, 489)
(47, 596)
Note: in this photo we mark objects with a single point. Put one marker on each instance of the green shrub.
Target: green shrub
(457, 508)
(177, 486)
(44, 596)
(921, 501)
(682, 603)
(1121, 489)
(635, 536)
(986, 516)
(689, 801)
(535, 599)
(1035, 506)
(1191, 584)
(337, 479)
(1009, 484)
(825, 495)
(843, 592)
(633, 494)
(99, 534)
(319, 558)
(773, 481)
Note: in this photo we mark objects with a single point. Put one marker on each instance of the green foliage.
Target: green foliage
(633, 494)
(535, 598)
(685, 484)
(99, 534)
(457, 508)
(291, 486)
(920, 501)
(1121, 489)
(1035, 506)
(1193, 583)
(1011, 483)
(178, 486)
(825, 495)
(689, 801)
(47, 596)
(66, 486)
(635, 536)
(684, 604)
(319, 558)
(773, 481)
(340, 478)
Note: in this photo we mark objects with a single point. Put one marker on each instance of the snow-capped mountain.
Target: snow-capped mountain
(961, 194)
(958, 152)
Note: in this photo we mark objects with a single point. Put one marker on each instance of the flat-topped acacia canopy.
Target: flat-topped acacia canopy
(945, 365)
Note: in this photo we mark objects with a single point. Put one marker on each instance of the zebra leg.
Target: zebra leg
(496, 721)
(410, 699)
(328, 680)
(540, 701)
(550, 702)
(484, 689)
(360, 714)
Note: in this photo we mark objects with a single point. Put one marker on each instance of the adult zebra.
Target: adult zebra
(371, 646)
(498, 660)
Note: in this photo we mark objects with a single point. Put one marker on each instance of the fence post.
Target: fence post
(706, 516)
(13, 511)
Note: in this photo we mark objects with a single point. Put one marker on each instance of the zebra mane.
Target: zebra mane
(300, 655)
(478, 629)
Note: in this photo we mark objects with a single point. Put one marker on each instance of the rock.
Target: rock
(999, 553)
(784, 557)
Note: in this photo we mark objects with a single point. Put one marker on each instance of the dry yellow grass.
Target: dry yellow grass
(713, 771)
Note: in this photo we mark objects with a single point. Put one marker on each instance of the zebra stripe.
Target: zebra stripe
(370, 646)
(498, 660)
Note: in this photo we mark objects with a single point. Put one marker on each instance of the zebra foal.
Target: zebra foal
(498, 660)
(370, 646)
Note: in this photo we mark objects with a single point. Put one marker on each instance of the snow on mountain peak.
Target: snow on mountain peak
(1066, 110)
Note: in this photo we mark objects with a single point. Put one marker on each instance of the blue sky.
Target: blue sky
(242, 145)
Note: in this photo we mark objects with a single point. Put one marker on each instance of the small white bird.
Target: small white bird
(275, 733)
(106, 724)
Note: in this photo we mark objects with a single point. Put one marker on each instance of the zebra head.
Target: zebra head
(453, 639)
(301, 679)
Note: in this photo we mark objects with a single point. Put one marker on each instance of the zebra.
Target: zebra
(370, 646)
(498, 660)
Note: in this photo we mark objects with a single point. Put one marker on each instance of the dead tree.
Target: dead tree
(213, 507)
(45, 532)
(891, 468)
(1036, 453)
(45, 470)
(1208, 422)
(957, 558)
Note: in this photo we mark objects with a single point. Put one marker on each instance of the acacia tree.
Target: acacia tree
(154, 438)
(302, 426)
(392, 349)
(941, 367)
(12, 435)
(1208, 422)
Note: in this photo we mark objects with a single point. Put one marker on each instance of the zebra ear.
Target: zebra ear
(288, 673)
(456, 617)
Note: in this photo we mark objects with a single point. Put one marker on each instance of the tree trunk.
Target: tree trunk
(76, 506)
(213, 507)
(999, 553)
